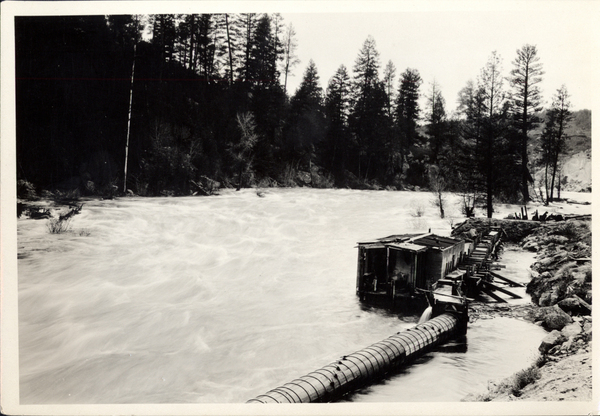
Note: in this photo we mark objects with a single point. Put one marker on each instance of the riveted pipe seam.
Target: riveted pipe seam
(373, 363)
(353, 360)
(284, 392)
(366, 365)
(391, 345)
(381, 350)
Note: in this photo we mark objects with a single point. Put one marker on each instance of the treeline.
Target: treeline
(209, 103)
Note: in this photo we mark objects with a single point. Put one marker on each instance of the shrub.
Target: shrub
(540, 361)
(58, 225)
(515, 384)
(26, 190)
(524, 378)
(287, 178)
(322, 180)
(419, 211)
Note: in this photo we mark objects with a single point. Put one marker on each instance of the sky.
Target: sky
(448, 41)
(452, 46)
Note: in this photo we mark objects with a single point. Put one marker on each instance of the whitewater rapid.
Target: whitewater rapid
(218, 299)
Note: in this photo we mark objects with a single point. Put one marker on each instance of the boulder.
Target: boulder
(545, 299)
(571, 330)
(569, 304)
(531, 245)
(552, 339)
(545, 263)
(559, 239)
(553, 317)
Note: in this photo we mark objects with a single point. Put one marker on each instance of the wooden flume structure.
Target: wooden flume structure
(447, 297)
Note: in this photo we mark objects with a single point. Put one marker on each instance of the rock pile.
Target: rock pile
(562, 273)
(573, 338)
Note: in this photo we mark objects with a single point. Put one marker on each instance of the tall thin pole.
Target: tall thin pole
(129, 120)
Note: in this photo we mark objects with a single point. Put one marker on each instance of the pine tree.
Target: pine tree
(306, 126)
(436, 120)
(164, 36)
(337, 107)
(496, 155)
(228, 41)
(553, 138)
(407, 112)
(290, 59)
(368, 109)
(491, 82)
(309, 93)
(524, 79)
(389, 76)
(470, 179)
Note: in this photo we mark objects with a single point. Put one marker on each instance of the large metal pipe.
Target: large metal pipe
(367, 365)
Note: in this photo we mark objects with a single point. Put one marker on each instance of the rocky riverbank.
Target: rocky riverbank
(561, 294)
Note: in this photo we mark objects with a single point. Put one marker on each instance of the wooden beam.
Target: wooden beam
(492, 294)
(506, 279)
(500, 289)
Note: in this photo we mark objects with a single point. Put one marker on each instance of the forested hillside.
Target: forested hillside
(181, 104)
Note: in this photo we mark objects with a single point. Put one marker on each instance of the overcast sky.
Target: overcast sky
(446, 40)
(452, 46)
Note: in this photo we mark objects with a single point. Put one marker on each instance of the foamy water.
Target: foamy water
(219, 299)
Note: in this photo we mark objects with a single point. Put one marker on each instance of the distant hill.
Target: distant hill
(577, 160)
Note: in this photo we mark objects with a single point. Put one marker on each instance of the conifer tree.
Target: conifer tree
(553, 138)
(436, 118)
(368, 109)
(470, 181)
(290, 59)
(247, 24)
(389, 76)
(491, 82)
(228, 41)
(337, 107)
(495, 154)
(307, 122)
(526, 99)
(407, 112)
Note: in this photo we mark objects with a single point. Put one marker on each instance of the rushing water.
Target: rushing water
(219, 299)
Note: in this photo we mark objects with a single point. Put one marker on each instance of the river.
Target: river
(219, 299)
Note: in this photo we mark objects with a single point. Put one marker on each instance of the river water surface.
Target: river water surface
(219, 299)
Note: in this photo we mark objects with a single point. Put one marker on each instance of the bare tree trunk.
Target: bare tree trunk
(192, 64)
(441, 203)
(129, 120)
(554, 167)
(546, 184)
(229, 49)
(559, 183)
